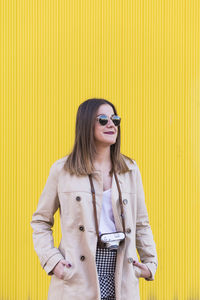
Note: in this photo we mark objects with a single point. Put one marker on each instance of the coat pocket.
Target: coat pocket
(68, 273)
(137, 272)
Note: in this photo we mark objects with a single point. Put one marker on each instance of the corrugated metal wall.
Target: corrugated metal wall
(145, 57)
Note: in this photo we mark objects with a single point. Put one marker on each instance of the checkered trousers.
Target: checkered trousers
(105, 262)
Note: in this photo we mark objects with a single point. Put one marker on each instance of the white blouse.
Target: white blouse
(107, 223)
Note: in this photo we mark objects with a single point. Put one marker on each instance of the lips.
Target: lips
(109, 132)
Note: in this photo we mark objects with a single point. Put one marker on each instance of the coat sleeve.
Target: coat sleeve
(144, 238)
(42, 222)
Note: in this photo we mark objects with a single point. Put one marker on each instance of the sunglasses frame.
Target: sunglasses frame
(107, 118)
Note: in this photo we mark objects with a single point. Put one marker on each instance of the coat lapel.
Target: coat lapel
(115, 202)
(115, 195)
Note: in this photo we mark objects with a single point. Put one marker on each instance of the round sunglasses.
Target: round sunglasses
(103, 119)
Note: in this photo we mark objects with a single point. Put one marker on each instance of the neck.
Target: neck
(102, 159)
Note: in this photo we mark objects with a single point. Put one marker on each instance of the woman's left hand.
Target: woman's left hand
(145, 272)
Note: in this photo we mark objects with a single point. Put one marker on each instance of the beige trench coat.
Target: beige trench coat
(72, 196)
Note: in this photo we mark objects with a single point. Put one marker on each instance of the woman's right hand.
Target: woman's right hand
(58, 270)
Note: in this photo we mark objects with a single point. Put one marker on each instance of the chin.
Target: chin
(109, 143)
(106, 141)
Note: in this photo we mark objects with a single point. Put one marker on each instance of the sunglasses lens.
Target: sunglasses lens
(103, 120)
(116, 120)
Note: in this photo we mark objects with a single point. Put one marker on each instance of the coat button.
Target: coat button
(78, 198)
(130, 260)
(81, 228)
(125, 201)
(82, 258)
(128, 230)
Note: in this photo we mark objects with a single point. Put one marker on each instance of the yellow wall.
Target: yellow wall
(145, 57)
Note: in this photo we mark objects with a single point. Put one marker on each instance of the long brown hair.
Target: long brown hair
(80, 160)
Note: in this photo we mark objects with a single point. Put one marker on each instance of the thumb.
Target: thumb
(137, 264)
(139, 270)
(66, 263)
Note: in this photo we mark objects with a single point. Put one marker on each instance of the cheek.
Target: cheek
(96, 132)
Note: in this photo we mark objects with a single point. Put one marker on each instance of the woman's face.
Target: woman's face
(105, 135)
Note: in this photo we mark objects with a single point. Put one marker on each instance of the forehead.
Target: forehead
(105, 109)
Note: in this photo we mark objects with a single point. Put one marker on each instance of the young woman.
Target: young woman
(104, 220)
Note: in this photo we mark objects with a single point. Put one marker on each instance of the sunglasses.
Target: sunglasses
(103, 120)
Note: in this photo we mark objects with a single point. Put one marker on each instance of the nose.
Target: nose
(110, 123)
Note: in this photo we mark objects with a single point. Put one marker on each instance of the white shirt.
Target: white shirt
(107, 223)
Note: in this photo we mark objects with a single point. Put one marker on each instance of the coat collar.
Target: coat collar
(131, 164)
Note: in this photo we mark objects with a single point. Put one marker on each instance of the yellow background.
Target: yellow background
(144, 56)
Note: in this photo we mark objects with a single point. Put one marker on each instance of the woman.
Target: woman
(103, 215)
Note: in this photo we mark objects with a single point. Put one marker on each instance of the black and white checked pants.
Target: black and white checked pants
(106, 262)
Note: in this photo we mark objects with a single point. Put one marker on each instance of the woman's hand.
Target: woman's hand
(58, 270)
(145, 272)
